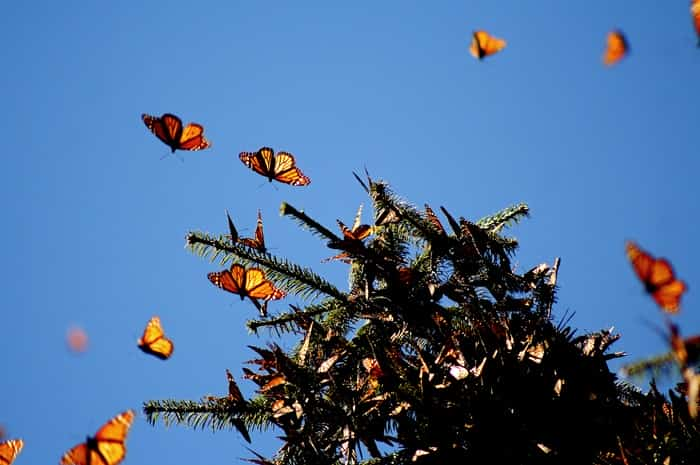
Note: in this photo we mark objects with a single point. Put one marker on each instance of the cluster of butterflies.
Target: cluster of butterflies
(483, 44)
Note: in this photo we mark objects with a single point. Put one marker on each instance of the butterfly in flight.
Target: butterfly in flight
(616, 49)
(106, 447)
(169, 129)
(9, 450)
(249, 283)
(154, 342)
(658, 278)
(483, 44)
(257, 242)
(280, 167)
(695, 13)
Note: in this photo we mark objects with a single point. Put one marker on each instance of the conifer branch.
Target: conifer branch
(505, 217)
(307, 222)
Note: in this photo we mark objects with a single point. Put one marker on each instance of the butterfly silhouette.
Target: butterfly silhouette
(9, 450)
(257, 242)
(483, 44)
(106, 447)
(169, 129)
(280, 167)
(658, 278)
(249, 283)
(154, 342)
(617, 47)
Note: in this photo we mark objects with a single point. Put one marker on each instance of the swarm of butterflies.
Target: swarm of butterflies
(107, 446)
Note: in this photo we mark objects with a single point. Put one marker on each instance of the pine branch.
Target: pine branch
(291, 277)
(658, 366)
(505, 217)
(307, 222)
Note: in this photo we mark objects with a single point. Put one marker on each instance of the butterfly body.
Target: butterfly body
(154, 342)
(106, 447)
(483, 44)
(658, 278)
(170, 130)
(280, 167)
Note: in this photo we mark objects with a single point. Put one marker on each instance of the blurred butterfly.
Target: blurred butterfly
(257, 243)
(695, 13)
(168, 128)
(658, 278)
(617, 47)
(280, 167)
(9, 450)
(484, 44)
(154, 342)
(77, 339)
(249, 283)
(233, 392)
(106, 447)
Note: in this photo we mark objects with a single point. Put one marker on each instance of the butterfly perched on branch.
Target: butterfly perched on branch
(281, 167)
(154, 342)
(249, 283)
(169, 129)
(9, 450)
(352, 238)
(257, 242)
(616, 49)
(658, 278)
(483, 44)
(107, 447)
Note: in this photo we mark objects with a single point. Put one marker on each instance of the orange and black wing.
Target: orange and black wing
(262, 161)
(107, 447)
(232, 280)
(356, 234)
(617, 47)
(483, 44)
(695, 14)
(233, 392)
(258, 242)
(658, 278)
(285, 171)
(9, 450)
(154, 341)
(169, 129)
(257, 287)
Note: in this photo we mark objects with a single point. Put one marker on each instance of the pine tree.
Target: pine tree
(440, 353)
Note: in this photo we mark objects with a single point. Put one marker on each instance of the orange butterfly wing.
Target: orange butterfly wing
(257, 287)
(259, 241)
(230, 280)
(483, 44)
(658, 278)
(154, 341)
(9, 450)
(107, 447)
(261, 161)
(168, 128)
(695, 13)
(617, 48)
(286, 171)
(233, 392)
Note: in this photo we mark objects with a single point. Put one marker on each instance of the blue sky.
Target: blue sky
(95, 220)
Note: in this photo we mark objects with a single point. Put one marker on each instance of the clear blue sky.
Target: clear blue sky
(94, 221)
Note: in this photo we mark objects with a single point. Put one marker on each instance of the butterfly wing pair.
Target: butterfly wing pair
(483, 44)
(616, 49)
(280, 167)
(9, 450)
(257, 242)
(169, 129)
(658, 278)
(154, 342)
(249, 283)
(107, 447)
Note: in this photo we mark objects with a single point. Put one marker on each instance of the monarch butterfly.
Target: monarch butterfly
(658, 278)
(484, 45)
(154, 341)
(695, 13)
(434, 220)
(617, 47)
(9, 450)
(352, 238)
(249, 283)
(280, 167)
(106, 447)
(168, 128)
(257, 243)
(233, 392)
